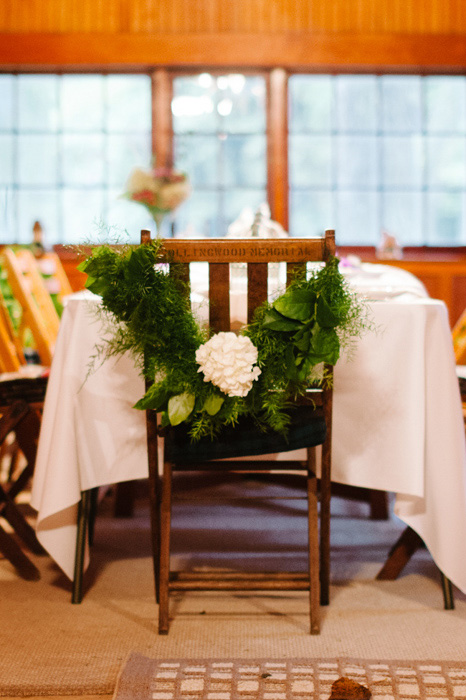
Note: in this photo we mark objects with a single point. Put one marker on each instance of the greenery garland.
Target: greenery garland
(299, 333)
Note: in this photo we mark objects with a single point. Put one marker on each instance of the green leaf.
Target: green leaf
(155, 398)
(97, 285)
(325, 346)
(213, 404)
(326, 316)
(296, 304)
(180, 407)
(302, 340)
(276, 322)
(290, 362)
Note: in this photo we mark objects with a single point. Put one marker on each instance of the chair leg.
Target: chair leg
(154, 495)
(164, 560)
(447, 588)
(83, 521)
(325, 496)
(313, 543)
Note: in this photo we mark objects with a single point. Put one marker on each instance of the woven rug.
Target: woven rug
(142, 678)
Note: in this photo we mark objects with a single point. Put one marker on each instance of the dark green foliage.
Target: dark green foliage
(304, 327)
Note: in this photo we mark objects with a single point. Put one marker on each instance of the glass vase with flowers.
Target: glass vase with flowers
(161, 190)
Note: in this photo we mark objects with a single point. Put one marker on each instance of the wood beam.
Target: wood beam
(293, 49)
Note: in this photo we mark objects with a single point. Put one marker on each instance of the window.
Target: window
(67, 144)
(372, 153)
(366, 153)
(219, 139)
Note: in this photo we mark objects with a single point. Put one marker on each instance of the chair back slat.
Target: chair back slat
(292, 269)
(181, 271)
(219, 296)
(257, 286)
(256, 252)
(11, 352)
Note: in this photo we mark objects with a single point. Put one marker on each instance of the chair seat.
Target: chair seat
(307, 429)
(29, 389)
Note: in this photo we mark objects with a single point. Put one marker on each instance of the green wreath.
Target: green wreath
(291, 338)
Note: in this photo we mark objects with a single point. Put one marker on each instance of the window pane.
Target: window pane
(123, 154)
(220, 141)
(241, 103)
(83, 159)
(356, 103)
(311, 213)
(357, 161)
(406, 174)
(127, 218)
(357, 220)
(311, 103)
(82, 105)
(446, 162)
(37, 160)
(129, 103)
(402, 162)
(193, 105)
(445, 218)
(445, 103)
(38, 103)
(312, 161)
(83, 214)
(42, 205)
(198, 215)
(243, 161)
(6, 102)
(199, 156)
(401, 103)
(402, 216)
(55, 144)
(6, 160)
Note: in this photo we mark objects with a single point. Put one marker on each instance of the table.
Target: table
(398, 422)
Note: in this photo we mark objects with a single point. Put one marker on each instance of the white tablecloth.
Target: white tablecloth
(398, 422)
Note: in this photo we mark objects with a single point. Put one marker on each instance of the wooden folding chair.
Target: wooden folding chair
(459, 339)
(11, 352)
(21, 401)
(310, 427)
(39, 313)
(55, 278)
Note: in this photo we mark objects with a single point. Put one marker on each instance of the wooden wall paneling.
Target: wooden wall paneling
(277, 146)
(234, 16)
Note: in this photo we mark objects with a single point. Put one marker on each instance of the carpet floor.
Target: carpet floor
(50, 647)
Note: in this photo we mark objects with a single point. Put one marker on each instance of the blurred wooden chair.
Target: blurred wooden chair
(38, 311)
(21, 401)
(11, 351)
(311, 426)
(54, 276)
(459, 339)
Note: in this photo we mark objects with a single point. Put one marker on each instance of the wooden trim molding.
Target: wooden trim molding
(296, 49)
(277, 146)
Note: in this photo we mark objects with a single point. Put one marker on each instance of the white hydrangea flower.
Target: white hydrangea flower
(227, 360)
